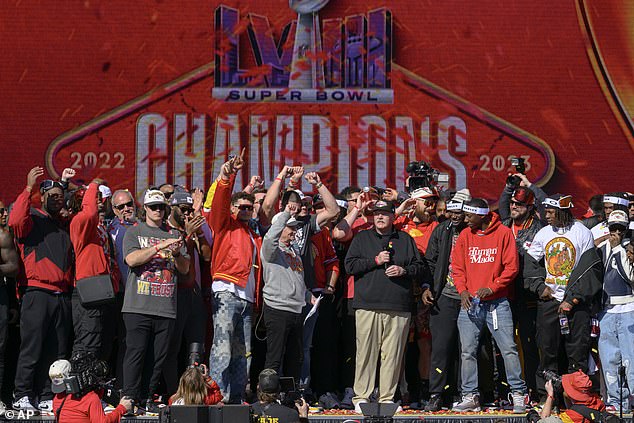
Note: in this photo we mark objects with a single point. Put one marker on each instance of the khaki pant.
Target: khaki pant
(384, 333)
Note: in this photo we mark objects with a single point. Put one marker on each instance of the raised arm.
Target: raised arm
(20, 216)
(330, 203)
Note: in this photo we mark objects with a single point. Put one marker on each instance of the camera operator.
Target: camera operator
(85, 376)
(582, 405)
(268, 407)
(513, 182)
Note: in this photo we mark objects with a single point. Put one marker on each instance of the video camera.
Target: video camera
(520, 167)
(421, 175)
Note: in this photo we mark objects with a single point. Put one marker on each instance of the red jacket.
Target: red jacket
(232, 253)
(486, 259)
(87, 409)
(325, 257)
(421, 232)
(44, 245)
(93, 255)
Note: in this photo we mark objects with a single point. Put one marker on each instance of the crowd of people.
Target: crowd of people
(425, 297)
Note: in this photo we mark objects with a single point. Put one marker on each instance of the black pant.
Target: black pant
(144, 331)
(325, 354)
(284, 341)
(191, 320)
(4, 327)
(348, 344)
(445, 339)
(526, 317)
(549, 339)
(45, 330)
(117, 360)
(94, 328)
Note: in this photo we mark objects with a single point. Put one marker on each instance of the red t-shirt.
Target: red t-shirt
(87, 409)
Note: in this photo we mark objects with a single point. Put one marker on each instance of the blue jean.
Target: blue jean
(230, 356)
(615, 349)
(470, 328)
(309, 329)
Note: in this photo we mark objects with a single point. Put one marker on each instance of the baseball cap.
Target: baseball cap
(105, 191)
(269, 381)
(384, 206)
(424, 192)
(558, 201)
(618, 217)
(291, 223)
(59, 371)
(181, 197)
(154, 196)
(524, 195)
(459, 198)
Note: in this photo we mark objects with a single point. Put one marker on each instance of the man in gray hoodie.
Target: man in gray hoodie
(285, 293)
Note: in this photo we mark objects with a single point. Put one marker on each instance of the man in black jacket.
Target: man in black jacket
(444, 297)
(563, 269)
(524, 224)
(384, 263)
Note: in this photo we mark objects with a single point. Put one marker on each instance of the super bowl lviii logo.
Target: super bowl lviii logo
(321, 86)
(348, 61)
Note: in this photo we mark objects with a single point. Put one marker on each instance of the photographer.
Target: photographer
(268, 405)
(196, 388)
(513, 182)
(582, 405)
(85, 376)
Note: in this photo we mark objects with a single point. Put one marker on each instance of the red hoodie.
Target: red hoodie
(93, 255)
(486, 259)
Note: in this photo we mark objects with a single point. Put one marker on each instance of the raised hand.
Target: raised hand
(199, 198)
(256, 181)
(31, 178)
(194, 224)
(291, 208)
(312, 178)
(68, 174)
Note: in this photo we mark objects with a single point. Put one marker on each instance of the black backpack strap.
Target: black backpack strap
(591, 414)
(59, 410)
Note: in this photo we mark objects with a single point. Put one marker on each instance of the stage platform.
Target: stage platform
(334, 417)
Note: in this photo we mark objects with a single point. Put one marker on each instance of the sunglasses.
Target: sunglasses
(156, 207)
(426, 202)
(50, 184)
(124, 205)
(244, 207)
(617, 228)
(186, 210)
(517, 203)
(4, 210)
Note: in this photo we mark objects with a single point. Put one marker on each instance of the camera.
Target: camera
(533, 416)
(554, 378)
(195, 356)
(421, 175)
(520, 167)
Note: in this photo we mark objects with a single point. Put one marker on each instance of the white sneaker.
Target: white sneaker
(520, 401)
(23, 404)
(357, 406)
(46, 407)
(398, 410)
(3, 409)
(469, 402)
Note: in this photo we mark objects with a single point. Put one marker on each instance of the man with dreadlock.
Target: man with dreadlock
(563, 268)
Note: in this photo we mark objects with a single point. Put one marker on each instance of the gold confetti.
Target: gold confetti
(438, 370)
(594, 350)
(446, 387)
(505, 384)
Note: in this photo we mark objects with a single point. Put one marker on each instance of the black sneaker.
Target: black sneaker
(434, 404)
(153, 405)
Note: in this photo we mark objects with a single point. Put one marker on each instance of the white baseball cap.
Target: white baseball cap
(154, 196)
(59, 371)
